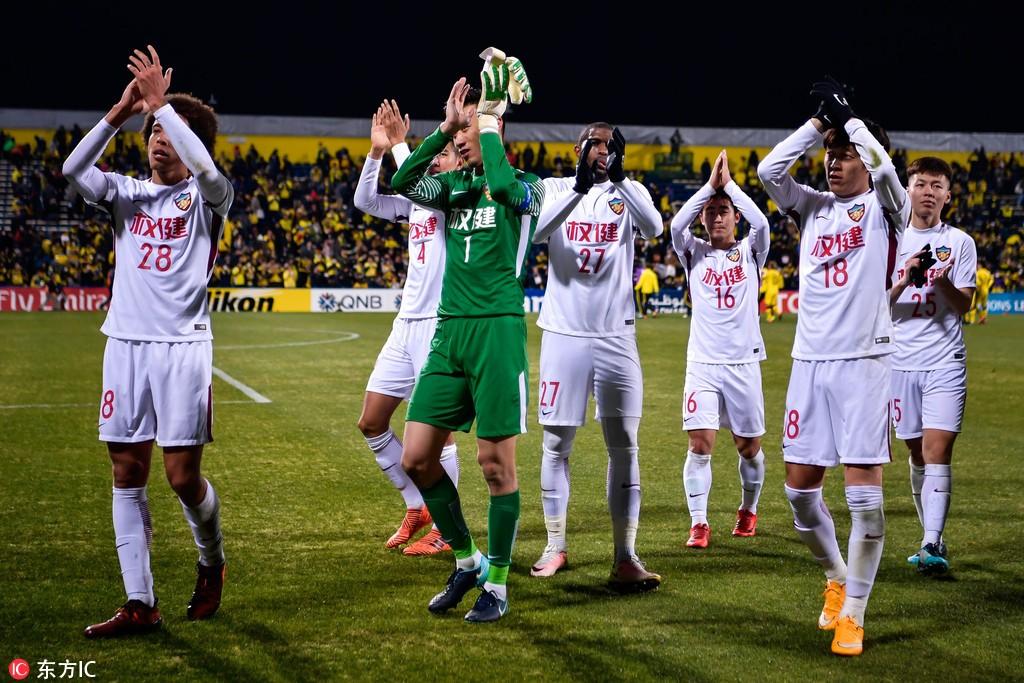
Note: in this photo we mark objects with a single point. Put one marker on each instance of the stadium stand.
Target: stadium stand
(293, 223)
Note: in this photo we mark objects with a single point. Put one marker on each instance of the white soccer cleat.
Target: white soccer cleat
(551, 560)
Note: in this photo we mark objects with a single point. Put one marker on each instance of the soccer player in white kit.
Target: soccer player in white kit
(589, 341)
(929, 375)
(725, 349)
(157, 367)
(837, 408)
(400, 360)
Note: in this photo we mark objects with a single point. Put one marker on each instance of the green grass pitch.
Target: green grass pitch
(312, 595)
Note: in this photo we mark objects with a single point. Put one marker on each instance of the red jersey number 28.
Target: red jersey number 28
(162, 261)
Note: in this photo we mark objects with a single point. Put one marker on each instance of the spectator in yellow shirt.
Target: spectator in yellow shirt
(771, 284)
(645, 287)
(979, 306)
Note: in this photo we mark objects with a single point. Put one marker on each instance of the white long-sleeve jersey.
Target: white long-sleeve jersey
(426, 247)
(847, 249)
(724, 283)
(929, 334)
(165, 236)
(590, 255)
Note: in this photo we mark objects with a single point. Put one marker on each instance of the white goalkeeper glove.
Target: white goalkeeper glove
(493, 89)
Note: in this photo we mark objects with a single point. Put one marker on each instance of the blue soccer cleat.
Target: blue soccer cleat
(932, 559)
(488, 607)
(459, 583)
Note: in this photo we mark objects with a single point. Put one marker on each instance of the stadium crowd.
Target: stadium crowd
(294, 224)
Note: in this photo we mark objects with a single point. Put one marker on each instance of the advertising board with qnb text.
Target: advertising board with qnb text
(338, 300)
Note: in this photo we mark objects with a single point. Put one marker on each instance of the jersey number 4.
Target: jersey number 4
(162, 262)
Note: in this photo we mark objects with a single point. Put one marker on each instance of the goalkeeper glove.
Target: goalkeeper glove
(616, 155)
(834, 109)
(493, 89)
(918, 275)
(519, 88)
(585, 172)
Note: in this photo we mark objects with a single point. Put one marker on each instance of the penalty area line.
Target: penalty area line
(256, 396)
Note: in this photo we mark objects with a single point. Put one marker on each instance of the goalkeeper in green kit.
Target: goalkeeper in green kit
(477, 366)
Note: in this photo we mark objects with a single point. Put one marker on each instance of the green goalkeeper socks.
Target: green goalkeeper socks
(442, 500)
(502, 525)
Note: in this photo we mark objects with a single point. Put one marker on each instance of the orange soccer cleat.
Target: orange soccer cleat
(430, 544)
(415, 519)
(835, 596)
(849, 638)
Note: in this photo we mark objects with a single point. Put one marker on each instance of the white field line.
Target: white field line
(253, 395)
(345, 336)
(244, 388)
(19, 406)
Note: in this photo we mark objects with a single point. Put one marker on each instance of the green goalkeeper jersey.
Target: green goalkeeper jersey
(490, 220)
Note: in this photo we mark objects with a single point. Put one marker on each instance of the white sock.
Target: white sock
(935, 498)
(205, 522)
(133, 531)
(387, 449)
(499, 589)
(554, 481)
(751, 480)
(622, 485)
(854, 607)
(623, 489)
(867, 538)
(471, 562)
(916, 482)
(449, 461)
(814, 525)
(697, 486)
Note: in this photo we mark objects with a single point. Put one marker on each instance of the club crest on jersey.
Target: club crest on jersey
(617, 206)
(183, 201)
(856, 212)
(733, 254)
(942, 253)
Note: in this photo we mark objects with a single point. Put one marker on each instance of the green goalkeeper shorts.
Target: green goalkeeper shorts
(476, 369)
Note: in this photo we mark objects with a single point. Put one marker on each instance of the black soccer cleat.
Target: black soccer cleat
(459, 583)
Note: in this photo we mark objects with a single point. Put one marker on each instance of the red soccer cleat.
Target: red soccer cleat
(746, 523)
(415, 519)
(205, 599)
(430, 544)
(700, 535)
(132, 618)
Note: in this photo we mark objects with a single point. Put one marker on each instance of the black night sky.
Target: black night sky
(925, 66)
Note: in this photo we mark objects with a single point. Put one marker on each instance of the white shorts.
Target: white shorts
(573, 368)
(729, 395)
(402, 357)
(837, 411)
(928, 399)
(157, 390)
